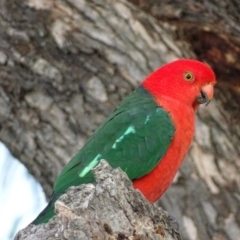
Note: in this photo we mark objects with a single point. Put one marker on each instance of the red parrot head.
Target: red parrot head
(188, 81)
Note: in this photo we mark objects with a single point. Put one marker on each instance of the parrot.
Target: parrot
(147, 135)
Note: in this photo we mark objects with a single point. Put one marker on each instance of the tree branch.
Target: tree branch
(110, 209)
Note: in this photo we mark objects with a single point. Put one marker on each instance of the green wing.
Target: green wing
(134, 137)
(137, 133)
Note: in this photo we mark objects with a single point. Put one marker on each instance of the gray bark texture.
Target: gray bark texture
(64, 65)
(111, 209)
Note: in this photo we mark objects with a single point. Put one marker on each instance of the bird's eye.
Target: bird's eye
(188, 76)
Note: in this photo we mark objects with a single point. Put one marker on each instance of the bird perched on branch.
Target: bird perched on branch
(148, 134)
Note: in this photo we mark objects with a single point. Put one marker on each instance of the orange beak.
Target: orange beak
(206, 94)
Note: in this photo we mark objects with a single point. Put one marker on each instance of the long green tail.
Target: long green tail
(48, 212)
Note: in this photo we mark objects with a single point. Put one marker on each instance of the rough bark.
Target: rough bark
(110, 209)
(66, 64)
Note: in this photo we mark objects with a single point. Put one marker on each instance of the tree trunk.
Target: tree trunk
(64, 65)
